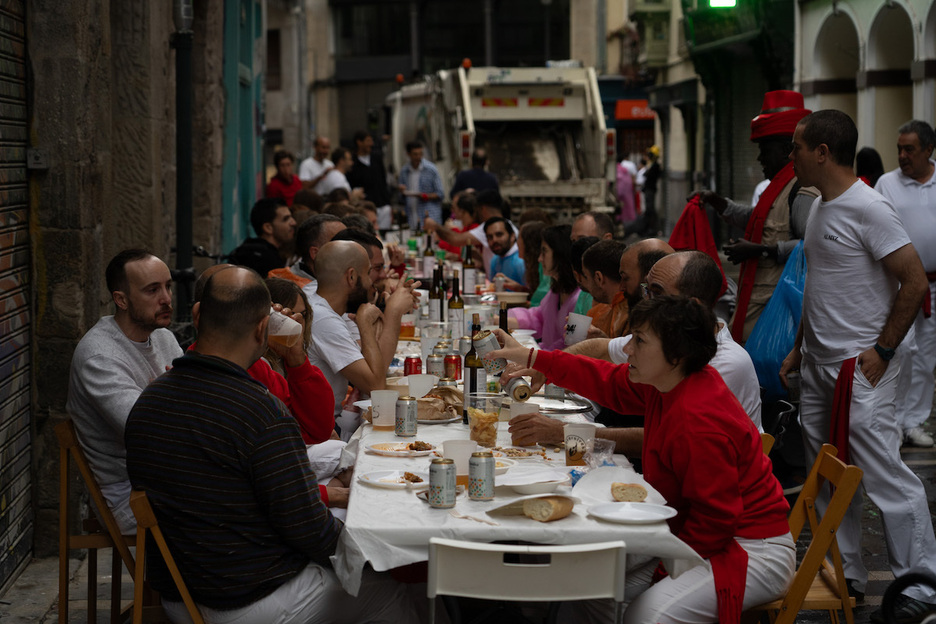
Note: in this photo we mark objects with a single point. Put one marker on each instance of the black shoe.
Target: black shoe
(854, 593)
(906, 611)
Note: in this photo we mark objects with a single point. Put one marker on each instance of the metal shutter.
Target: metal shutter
(16, 519)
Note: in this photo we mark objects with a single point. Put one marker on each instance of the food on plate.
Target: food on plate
(419, 445)
(548, 508)
(514, 452)
(409, 477)
(628, 492)
(483, 427)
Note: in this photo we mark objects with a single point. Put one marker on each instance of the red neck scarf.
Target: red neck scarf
(754, 232)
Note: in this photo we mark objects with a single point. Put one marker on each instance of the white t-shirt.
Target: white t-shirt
(759, 190)
(486, 254)
(310, 289)
(334, 179)
(731, 361)
(848, 293)
(310, 169)
(332, 348)
(916, 206)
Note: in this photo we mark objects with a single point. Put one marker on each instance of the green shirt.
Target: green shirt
(542, 289)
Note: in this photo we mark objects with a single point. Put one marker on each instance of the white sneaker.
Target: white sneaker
(917, 437)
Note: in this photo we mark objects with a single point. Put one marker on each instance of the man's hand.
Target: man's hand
(791, 363)
(594, 332)
(538, 379)
(872, 366)
(396, 254)
(530, 429)
(338, 496)
(510, 284)
(403, 299)
(367, 316)
(511, 350)
(711, 198)
(741, 250)
(430, 225)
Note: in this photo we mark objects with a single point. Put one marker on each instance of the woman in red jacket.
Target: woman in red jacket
(701, 452)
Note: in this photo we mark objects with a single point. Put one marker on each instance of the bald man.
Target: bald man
(345, 285)
(635, 264)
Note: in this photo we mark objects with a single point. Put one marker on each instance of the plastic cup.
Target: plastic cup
(518, 409)
(383, 408)
(283, 330)
(420, 385)
(408, 326)
(483, 415)
(598, 452)
(577, 328)
(577, 436)
(460, 451)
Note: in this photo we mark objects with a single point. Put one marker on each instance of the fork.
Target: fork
(460, 515)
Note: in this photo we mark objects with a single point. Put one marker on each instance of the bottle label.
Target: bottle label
(435, 306)
(456, 319)
(428, 266)
(469, 282)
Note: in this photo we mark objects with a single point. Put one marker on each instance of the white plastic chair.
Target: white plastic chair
(526, 573)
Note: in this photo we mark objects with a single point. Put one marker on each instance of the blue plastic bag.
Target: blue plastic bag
(775, 332)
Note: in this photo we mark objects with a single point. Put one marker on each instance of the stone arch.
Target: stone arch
(836, 62)
(929, 34)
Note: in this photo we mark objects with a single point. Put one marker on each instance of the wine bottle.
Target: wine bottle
(469, 272)
(502, 319)
(428, 260)
(456, 309)
(443, 296)
(475, 375)
(435, 300)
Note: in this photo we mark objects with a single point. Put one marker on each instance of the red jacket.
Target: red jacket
(278, 188)
(301, 390)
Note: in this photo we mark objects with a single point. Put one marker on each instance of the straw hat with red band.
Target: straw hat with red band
(780, 113)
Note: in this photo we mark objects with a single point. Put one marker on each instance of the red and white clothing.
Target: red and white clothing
(278, 187)
(704, 455)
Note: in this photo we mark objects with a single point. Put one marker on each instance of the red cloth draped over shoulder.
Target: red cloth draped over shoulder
(754, 232)
(693, 231)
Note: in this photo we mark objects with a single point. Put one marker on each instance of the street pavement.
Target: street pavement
(34, 597)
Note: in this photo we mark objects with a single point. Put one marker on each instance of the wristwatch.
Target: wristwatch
(886, 354)
(765, 253)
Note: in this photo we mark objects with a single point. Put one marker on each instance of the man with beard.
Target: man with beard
(114, 362)
(502, 240)
(275, 228)
(345, 285)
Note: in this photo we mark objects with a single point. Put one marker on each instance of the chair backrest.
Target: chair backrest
(767, 442)
(70, 448)
(526, 573)
(146, 522)
(844, 480)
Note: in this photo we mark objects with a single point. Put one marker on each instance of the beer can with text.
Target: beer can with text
(453, 365)
(406, 416)
(464, 345)
(448, 382)
(485, 343)
(518, 389)
(435, 365)
(412, 365)
(481, 476)
(442, 483)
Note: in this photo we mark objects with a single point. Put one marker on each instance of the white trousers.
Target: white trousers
(691, 598)
(315, 596)
(918, 359)
(874, 446)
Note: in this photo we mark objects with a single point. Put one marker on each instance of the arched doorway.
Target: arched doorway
(836, 62)
(925, 96)
(887, 79)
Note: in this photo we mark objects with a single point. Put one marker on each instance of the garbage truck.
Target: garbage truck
(543, 129)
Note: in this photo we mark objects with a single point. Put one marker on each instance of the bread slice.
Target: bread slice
(628, 492)
(548, 508)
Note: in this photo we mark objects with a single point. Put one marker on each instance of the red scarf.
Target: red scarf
(841, 408)
(754, 232)
(693, 231)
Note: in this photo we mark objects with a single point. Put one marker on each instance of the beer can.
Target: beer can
(464, 345)
(518, 389)
(406, 415)
(442, 347)
(484, 343)
(453, 365)
(498, 283)
(442, 483)
(412, 365)
(448, 381)
(435, 365)
(481, 476)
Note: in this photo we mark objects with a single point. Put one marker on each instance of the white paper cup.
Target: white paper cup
(283, 330)
(420, 385)
(576, 328)
(577, 436)
(460, 451)
(383, 407)
(517, 408)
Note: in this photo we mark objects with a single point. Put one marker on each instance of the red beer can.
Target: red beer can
(453, 365)
(412, 365)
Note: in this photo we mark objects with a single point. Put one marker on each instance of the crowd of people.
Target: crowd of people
(237, 440)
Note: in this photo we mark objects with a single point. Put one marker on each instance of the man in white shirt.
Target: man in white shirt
(344, 285)
(863, 289)
(687, 273)
(911, 188)
(337, 177)
(314, 169)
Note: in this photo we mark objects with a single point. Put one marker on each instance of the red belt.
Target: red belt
(927, 310)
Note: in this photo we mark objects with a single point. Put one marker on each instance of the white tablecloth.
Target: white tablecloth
(392, 528)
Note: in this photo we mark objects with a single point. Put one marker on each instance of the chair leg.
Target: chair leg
(116, 578)
(92, 584)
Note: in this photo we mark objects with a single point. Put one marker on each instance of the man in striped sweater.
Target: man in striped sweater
(226, 471)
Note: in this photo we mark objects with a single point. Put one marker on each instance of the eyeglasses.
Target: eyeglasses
(645, 291)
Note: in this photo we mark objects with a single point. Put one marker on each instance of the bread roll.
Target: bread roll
(548, 508)
(628, 492)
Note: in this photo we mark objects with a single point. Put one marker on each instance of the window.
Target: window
(274, 68)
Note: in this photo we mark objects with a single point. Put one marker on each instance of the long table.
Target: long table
(391, 528)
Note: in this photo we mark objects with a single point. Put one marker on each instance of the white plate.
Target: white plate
(396, 449)
(595, 487)
(535, 452)
(444, 421)
(393, 479)
(363, 404)
(502, 465)
(631, 513)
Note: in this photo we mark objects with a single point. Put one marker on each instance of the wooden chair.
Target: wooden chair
(94, 536)
(818, 583)
(146, 521)
(526, 573)
(767, 441)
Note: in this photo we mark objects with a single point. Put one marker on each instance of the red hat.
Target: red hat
(780, 113)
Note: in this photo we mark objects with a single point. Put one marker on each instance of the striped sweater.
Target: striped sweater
(225, 468)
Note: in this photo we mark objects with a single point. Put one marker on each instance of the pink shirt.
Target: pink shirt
(548, 318)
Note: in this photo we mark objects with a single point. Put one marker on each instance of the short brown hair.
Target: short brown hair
(685, 327)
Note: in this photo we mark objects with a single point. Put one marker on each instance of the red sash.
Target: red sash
(927, 304)
(754, 232)
(841, 408)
